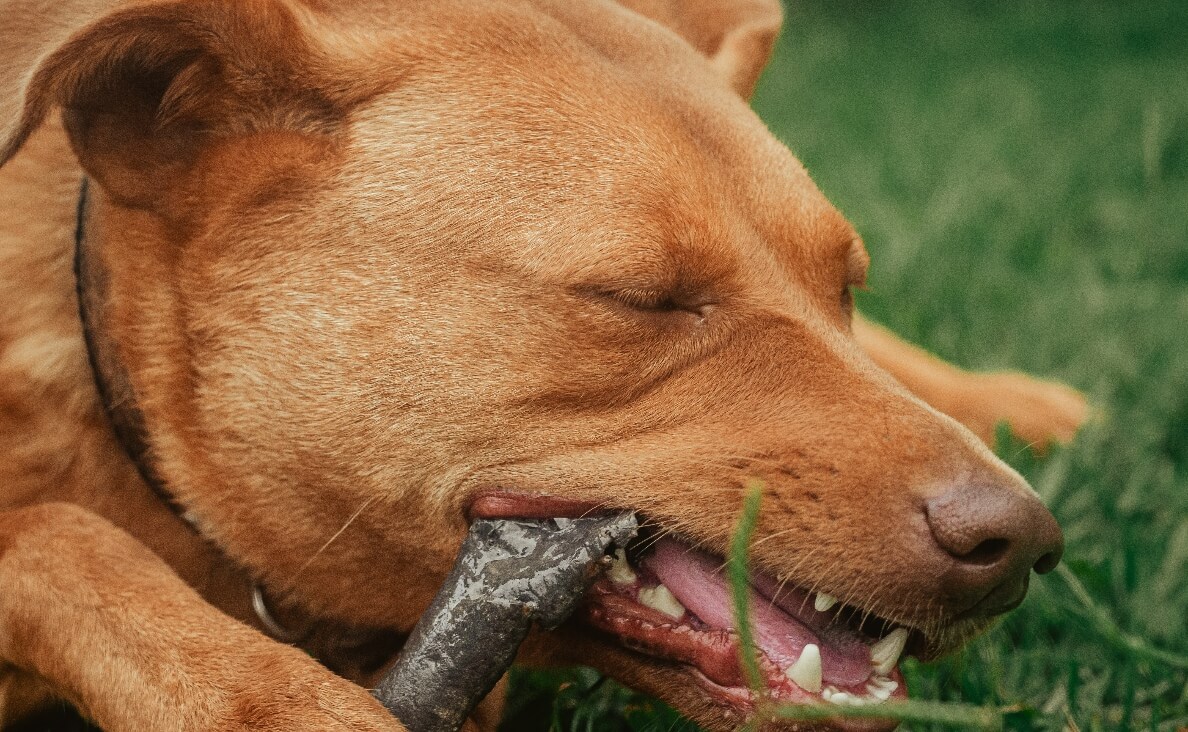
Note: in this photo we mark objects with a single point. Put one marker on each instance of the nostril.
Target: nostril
(991, 525)
(996, 534)
(970, 525)
(987, 552)
(1047, 562)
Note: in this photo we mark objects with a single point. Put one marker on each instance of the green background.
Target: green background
(1019, 172)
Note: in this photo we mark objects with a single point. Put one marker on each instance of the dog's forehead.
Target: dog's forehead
(567, 140)
(517, 162)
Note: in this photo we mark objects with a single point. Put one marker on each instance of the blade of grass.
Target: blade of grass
(1110, 630)
(740, 586)
(957, 715)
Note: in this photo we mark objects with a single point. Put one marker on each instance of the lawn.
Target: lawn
(1019, 172)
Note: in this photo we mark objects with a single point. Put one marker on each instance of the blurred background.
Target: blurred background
(1019, 172)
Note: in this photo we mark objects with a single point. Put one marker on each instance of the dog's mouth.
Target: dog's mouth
(674, 604)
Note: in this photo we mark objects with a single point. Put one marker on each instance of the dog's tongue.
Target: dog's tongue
(781, 631)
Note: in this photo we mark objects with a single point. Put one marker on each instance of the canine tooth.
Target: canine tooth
(823, 602)
(620, 571)
(885, 654)
(806, 672)
(661, 599)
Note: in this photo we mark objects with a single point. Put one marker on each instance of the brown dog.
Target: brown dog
(353, 272)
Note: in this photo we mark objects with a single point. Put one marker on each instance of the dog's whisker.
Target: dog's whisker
(777, 534)
(333, 538)
(596, 509)
(651, 540)
(779, 588)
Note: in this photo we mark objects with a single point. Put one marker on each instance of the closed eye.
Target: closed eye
(660, 303)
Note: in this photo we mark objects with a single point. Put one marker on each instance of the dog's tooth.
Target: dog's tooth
(620, 571)
(806, 672)
(885, 654)
(824, 602)
(880, 691)
(884, 682)
(828, 692)
(661, 599)
(851, 700)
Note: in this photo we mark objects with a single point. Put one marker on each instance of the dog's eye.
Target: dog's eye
(659, 303)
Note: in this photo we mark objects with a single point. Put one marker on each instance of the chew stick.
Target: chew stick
(508, 575)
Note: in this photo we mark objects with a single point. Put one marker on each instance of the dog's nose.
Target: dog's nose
(996, 535)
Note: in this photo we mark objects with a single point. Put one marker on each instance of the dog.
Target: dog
(293, 289)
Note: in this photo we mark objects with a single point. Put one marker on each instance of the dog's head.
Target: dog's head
(376, 268)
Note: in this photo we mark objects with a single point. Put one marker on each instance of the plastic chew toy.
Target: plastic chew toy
(510, 573)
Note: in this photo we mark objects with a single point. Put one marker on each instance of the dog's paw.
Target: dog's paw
(274, 688)
(1038, 412)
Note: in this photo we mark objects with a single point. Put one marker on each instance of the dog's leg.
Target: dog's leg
(114, 631)
(1039, 412)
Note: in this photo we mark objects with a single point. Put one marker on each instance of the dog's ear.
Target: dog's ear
(145, 87)
(736, 35)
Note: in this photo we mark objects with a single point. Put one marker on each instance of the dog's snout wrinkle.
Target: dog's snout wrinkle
(995, 537)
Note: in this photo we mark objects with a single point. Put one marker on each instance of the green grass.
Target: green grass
(1019, 172)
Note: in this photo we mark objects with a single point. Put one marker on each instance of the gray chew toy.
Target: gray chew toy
(509, 574)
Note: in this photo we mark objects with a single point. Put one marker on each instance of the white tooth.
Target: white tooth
(880, 692)
(620, 571)
(806, 672)
(828, 692)
(841, 697)
(823, 602)
(884, 682)
(885, 654)
(660, 598)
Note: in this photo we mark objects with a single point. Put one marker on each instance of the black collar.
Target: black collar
(111, 378)
(347, 650)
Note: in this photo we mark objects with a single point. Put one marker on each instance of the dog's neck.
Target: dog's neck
(115, 385)
(111, 378)
(347, 650)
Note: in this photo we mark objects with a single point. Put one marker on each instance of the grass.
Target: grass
(1019, 172)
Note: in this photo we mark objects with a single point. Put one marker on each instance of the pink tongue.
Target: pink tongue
(694, 578)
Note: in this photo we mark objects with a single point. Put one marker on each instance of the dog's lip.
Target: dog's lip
(739, 699)
(502, 504)
(737, 702)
